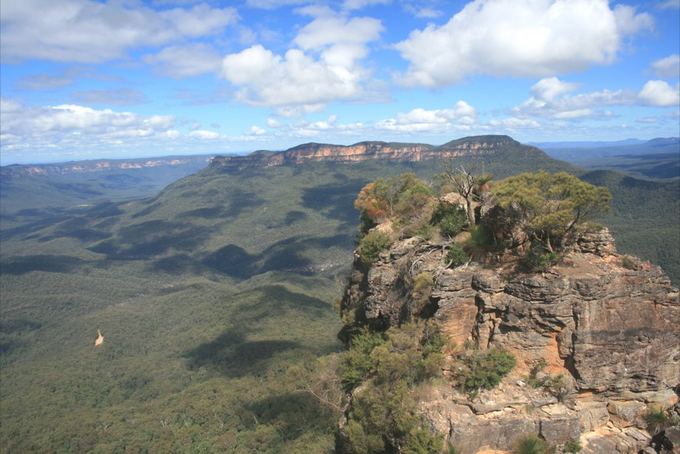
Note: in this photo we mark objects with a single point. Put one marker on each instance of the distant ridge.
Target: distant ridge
(587, 144)
(372, 150)
(99, 165)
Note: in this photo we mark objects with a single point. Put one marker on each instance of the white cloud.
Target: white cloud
(519, 38)
(69, 126)
(358, 4)
(667, 67)
(572, 114)
(186, 61)
(422, 9)
(660, 94)
(203, 134)
(294, 79)
(273, 122)
(428, 13)
(299, 79)
(257, 131)
(325, 128)
(460, 117)
(629, 22)
(90, 31)
(551, 87)
(513, 123)
(550, 98)
(171, 134)
(327, 31)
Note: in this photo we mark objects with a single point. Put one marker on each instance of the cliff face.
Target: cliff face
(364, 151)
(612, 333)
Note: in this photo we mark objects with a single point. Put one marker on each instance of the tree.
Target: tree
(400, 198)
(371, 202)
(550, 205)
(469, 186)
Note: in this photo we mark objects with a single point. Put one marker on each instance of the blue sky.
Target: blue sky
(85, 79)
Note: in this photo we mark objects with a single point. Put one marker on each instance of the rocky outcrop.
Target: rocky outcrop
(365, 151)
(608, 335)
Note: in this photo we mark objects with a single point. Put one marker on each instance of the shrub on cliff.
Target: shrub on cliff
(483, 370)
(538, 259)
(371, 245)
(404, 199)
(356, 362)
(382, 416)
(550, 206)
(531, 444)
(421, 288)
(456, 255)
(572, 446)
(449, 218)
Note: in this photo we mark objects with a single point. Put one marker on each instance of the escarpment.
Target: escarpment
(366, 151)
(595, 338)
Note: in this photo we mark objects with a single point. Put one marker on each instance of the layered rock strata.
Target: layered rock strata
(608, 333)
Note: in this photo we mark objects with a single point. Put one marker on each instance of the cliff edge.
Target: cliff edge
(595, 340)
(372, 150)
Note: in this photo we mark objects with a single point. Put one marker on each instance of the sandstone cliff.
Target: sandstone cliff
(364, 151)
(609, 332)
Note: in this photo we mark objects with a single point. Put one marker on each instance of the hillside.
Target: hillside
(208, 294)
(644, 217)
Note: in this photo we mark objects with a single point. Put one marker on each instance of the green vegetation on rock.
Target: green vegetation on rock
(382, 416)
(449, 218)
(550, 206)
(372, 244)
(456, 255)
(531, 445)
(478, 370)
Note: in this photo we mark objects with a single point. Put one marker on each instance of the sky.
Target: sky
(84, 79)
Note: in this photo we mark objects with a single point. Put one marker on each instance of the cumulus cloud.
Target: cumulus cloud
(273, 122)
(549, 88)
(667, 67)
(204, 134)
(186, 61)
(257, 131)
(460, 117)
(550, 97)
(324, 128)
(519, 38)
(513, 123)
(90, 31)
(72, 125)
(660, 94)
(324, 67)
